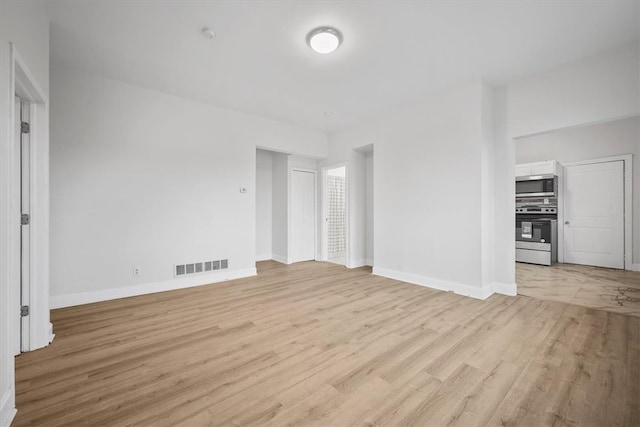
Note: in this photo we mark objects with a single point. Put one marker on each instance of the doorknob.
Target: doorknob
(566, 222)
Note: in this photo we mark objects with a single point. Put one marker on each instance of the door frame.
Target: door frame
(324, 252)
(289, 210)
(627, 160)
(39, 330)
(23, 114)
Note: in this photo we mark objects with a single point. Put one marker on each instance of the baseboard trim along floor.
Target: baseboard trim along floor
(69, 300)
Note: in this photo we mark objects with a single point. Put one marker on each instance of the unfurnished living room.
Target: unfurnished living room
(319, 213)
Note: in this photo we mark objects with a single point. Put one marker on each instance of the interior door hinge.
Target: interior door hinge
(25, 219)
(24, 311)
(25, 127)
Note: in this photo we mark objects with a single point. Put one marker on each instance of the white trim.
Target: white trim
(442, 285)
(357, 263)
(68, 300)
(635, 267)
(369, 262)
(281, 259)
(627, 160)
(7, 410)
(505, 288)
(9, 274)
(263, 257)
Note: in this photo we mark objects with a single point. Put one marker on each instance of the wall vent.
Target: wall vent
(200, 267)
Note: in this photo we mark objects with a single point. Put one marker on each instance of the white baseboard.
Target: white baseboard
(442, 285)
(505, 289)
(263, 257)
(68, 300)
(281, 259)
(7, 407)
(635, 267)
(369, 262)
(357, 263)
(51, 334)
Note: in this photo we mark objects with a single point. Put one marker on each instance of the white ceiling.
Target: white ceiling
(393, 52)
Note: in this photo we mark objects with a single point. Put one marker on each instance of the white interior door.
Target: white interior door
(303, 215)
(22, 111)
(594, 214)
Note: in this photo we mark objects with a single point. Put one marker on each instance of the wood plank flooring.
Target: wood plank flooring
(602, 288)
(317, 344)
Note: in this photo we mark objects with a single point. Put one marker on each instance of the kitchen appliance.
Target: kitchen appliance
(537, 186)
(536, 240)
(537, 230)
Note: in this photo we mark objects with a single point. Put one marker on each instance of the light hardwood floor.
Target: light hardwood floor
(602, 288)
(317, 344)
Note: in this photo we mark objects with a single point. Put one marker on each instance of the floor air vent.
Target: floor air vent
(200, 267)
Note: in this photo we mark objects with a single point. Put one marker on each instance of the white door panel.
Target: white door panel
(594, 214)
(303, 218)
(25, 229)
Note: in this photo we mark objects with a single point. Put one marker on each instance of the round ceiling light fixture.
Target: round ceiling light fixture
(324, 39)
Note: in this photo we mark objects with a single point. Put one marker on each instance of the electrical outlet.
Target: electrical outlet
(136, 271)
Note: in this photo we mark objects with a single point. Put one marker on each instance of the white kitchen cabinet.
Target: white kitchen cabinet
(523, 169)
(549, 167)
(544, 168)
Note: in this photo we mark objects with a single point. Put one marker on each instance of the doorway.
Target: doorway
(336, 214)
(303, 217)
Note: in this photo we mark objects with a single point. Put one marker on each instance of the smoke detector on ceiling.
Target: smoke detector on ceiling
(208, 33)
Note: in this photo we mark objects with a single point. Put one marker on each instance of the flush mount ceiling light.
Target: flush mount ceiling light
(324, 39)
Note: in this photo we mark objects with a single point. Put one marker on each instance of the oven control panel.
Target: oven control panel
(536, 209)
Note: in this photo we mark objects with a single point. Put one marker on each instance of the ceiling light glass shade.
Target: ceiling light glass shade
(324, 39)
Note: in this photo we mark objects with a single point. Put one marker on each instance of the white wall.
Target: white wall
(429, 175)
(590, 142)
(504, 181)
(369, 208)
(357, 209)
(25, 25)
(264, 205)
(600, 87)
(141, 178)
(280, 206)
